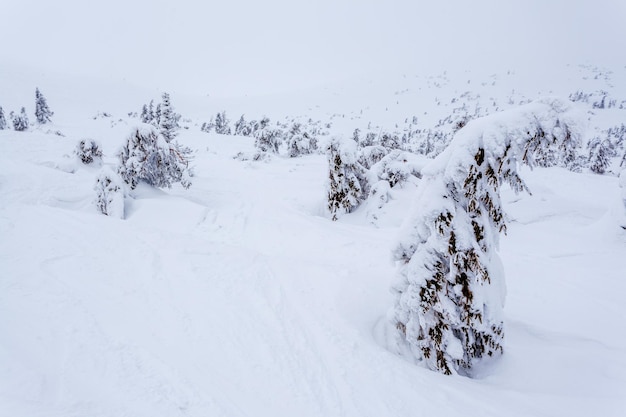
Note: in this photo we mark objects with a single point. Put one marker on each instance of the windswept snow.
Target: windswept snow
(238, 297)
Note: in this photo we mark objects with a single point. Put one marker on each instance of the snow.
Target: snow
(238, 297)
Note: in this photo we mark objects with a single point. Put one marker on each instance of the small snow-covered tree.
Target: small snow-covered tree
(168, 124)
(110, 193)
(347, 186)
(300, 141)
(370, 155)
(450, 287)
(88, 151)
(600, 153)
(268, 140)
(241, 127)
(20, 121)
(3, 120)
(156, 120)
(42, 111)
(148, 157)
(222, 126)
(145, 115)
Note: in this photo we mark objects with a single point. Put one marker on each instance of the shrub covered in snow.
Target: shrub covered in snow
(398, 166)
(347, 187)
(110, 193)
(20, 121)
(300, 141)
(268, 140)
(370, 155)
(88, 151)
(148, 157)
(450, 287)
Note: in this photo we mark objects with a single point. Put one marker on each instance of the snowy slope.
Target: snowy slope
(238, 297)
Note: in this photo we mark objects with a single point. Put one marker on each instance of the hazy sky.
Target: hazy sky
(257, 46)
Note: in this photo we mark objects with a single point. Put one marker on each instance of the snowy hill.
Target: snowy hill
(239, 296)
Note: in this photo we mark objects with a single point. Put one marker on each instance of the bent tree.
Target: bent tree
(450, 287)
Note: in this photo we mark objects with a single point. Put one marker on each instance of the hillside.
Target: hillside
(239, 297)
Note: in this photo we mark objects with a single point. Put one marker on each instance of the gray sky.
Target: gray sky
(248, 47)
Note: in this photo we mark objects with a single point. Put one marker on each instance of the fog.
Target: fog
(251, 47)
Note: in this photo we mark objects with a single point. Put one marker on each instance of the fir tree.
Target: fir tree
(347, 187)
(268, 140)
(156, 120)
(222, 124)
(42, 111)
(3, 120)
(144, 117)
(168, 124)
(148, 157)
(450, 289)
(20, 122)
(241, 127)
(600, 153)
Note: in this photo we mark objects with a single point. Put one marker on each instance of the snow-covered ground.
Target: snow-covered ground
(239, 297)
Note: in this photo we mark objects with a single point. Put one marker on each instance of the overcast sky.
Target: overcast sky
(247, 47)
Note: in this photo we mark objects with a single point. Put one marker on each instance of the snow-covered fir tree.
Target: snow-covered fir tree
(222, 124)
(3, 120)
(88, 151)
(156, 120)
(20, 121)
(450, 287)
(208, 126)
(168, 124)
(600, 153)
(242, 128)
(268, 140)
(144, 116)
(300, 141)
(110, 193)
(42, 111)
(347, 186)
(148, 157)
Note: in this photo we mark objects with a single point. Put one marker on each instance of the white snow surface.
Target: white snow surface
(238, 297)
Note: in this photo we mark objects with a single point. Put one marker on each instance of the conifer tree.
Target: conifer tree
(347, 186)
(168, 124)
(241, 127)
(222, 124)
(600, 153)
(156, 120)
(148, 157)
(3, 120)
(144, 114)
(42, 111)
(20, 122)
(450, 287)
